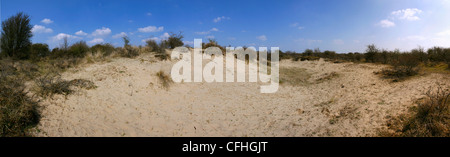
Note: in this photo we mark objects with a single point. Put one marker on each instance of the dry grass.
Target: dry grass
(294, 76)
(164, 79)
(49, 85)
(18, 112)
(397, 74)
(431, 118)
(327, 77)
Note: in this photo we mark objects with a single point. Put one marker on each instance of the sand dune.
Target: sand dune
(335, 100)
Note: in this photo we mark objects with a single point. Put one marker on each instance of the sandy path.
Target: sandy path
(130, 102)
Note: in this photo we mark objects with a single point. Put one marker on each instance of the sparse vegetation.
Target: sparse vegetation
(103, 49)
(164, 79)
(18, 112)
(128, 50)
(294, 76)
(51, 84)
(431, 117)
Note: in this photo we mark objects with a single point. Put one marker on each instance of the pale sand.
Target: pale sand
(129, 101)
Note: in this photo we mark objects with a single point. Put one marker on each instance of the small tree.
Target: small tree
(126, 41)
(175, 40)
(15, 38)
(371, 53)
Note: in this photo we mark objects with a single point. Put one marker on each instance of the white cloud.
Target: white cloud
(81, 33)
(218, 19)
(151, 29)
(207, 32)
(409, 14)
(444, 33)
(149, 14)
(210, 37)
(120, 35)
(300, 28)
(102, 32)
(188, 42)
(412, 38)
(47, 21)
(61, 36)
(338, 42)
(41, 29)
(386, 23)
(165, 36)
(96, 41)
(262, 38)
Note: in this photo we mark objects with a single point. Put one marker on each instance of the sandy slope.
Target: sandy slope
(129, 101)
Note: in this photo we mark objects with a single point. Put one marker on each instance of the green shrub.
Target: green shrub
(308, 52)
(371, 53)
(214, 43)
(39, 51)
(78, 49)
(15, 36)
(104, 49)
(175, 40)
(152, 45)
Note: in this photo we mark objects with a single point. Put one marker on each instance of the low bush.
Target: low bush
(39, 51)
(431, 118)
(175, 40)
(78, 49)
(49, 85)
(103, 49)
(18, 112)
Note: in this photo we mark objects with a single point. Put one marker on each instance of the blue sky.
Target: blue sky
(340, 25)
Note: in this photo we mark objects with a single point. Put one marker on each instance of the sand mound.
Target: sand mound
(333, 100)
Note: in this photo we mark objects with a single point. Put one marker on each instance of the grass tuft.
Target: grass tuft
(164, 79)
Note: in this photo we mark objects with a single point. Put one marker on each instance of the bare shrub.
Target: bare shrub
(49, 85)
